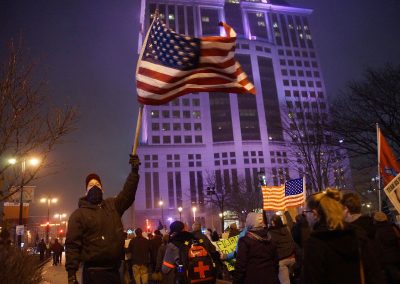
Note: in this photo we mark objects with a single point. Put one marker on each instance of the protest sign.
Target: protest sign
(226, 246)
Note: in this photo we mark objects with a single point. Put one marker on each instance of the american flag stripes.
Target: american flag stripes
(291, 194)
(171, 65)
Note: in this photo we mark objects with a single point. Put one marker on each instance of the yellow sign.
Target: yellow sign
(226, 246)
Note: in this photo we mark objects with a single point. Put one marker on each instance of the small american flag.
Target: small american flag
(281, 197)
(171, 65)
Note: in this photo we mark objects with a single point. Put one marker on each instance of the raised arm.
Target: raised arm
(126, 197)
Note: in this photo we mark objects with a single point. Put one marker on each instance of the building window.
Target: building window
(176, 114)
(155, 114)
(177, 139)
(196, 114)
(197, 126)
(187, 126)
(198, 139)
(188, 139)
(155, 139)
(166, 127)
(177, 126)
(155, 126)
(167, 139)
(165, 114)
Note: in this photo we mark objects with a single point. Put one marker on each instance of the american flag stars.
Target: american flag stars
(173, 50)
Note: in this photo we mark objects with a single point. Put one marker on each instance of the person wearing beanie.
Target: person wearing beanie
(95, 235)
(387, 239)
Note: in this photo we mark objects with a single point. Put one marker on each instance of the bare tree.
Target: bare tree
(374, 99)
(29, 123)
(234, 196)
(315, 152)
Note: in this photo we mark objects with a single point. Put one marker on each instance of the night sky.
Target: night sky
(88, 51)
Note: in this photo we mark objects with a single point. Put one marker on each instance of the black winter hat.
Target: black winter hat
(92, 176)
(177, 227)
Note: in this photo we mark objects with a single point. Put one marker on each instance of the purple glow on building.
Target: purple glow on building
(228, 136)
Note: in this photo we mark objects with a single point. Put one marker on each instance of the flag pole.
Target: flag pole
(138, 126)
(379, 166)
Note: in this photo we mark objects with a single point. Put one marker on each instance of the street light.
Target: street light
(32, 162)
(48, 200)
(194, 213)
(60, 216)
(161, 203)
(180, 213)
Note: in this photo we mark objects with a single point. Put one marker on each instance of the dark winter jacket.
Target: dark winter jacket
(57, 248)
(171, 256)
(333, 256)
(139, 247)
(155, 244)
(387, 244)
(367, 224)
(257, 260)
(283, 241)
(301, 232)
(95, 232)
(41, 247)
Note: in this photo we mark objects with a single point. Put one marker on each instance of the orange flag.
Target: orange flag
(388, 166)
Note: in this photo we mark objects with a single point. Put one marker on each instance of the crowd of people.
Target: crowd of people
(54, 249)
(329, 242)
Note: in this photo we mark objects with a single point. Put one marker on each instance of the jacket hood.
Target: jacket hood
(263, 233)
(343, 242)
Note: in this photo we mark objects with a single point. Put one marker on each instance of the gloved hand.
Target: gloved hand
(72, 278)
(134, 161)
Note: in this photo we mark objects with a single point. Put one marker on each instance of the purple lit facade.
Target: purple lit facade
(229, 136)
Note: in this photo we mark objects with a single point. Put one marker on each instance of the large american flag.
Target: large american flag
(171, 65)
(291, 194)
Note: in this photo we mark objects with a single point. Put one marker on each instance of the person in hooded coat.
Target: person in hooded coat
(283, 240)
(95, 234)
(336, 252)
(257, 257)
(387, 239)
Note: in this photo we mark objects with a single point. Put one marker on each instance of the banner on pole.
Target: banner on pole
(392, 190)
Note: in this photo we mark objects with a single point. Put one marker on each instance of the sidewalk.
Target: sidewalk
(56, 274)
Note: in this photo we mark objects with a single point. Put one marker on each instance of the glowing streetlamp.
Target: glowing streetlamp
(31, 162)
(180, 213)
(194, 209)
(48, 200)
(161, 203)
(60, 217)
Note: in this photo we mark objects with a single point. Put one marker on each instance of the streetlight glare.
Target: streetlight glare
(43, 200)
(194, 209)
(54, 200)
(56, 215)
(180, 209)
(12, 161)
(160, 202)
(34, 161)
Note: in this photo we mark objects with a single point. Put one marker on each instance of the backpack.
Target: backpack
(195, 264)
